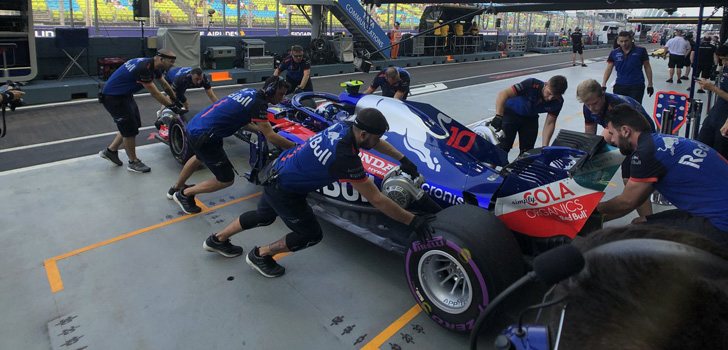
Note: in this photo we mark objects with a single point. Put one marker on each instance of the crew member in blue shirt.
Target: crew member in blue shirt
(597, 104)
(183, 78)
(517, 109)
(298, 70)
(629, 60)
(714, 131)
(117, 97)
(691, 175)
(394, 81)
(329, 156)
(222, 119)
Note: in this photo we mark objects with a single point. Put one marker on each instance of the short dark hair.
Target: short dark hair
(722, 51)
(297, 48)
(558, 84)
(196, 71)
(625, 33)
(641, 302)
(372, 121)
(279, 83)
(624, 114)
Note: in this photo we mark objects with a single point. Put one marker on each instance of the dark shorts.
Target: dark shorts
(125, 112)
(634, 91)
(577, 49)
(211, 153)
(292, 208)
(525, 126)
(682, 220)
(676, 61)
(705, 71)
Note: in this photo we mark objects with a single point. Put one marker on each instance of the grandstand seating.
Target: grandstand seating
(263, 12)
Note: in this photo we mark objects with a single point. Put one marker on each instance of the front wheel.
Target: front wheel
(178, 143)
(471, 258)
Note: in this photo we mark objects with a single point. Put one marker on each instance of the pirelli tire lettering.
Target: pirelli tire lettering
(471, 259)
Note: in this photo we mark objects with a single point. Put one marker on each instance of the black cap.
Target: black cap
(372, 121)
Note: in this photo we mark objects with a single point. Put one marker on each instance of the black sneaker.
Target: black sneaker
(264, 264)
(172, 190)
(111, 156)
(684, 77)
(701, 91)
(573, 64)
(225, 248)
(668, 81)
(679, 81)
(138, 167)
(583, 65)
(187, 204)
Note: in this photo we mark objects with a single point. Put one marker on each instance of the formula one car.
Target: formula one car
(496, 215)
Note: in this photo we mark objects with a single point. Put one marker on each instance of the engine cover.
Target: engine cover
(401, 188)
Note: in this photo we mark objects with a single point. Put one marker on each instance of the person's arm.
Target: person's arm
(382, 202)
(399, 95)
(548, 129)
(590, 128)
(386, 148)
(276, 72)
(608, 73)
(648, 72)
(634, 194)
(304, 80)
(270, 135)
(503, 96)
(369, 90)
(707, 85)
(167, 88)
(211, 95)
(156, 94)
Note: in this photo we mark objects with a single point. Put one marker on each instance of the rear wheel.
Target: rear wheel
(471, 258)
(178, 142)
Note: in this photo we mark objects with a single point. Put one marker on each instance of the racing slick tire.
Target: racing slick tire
(471, 258)
(178, 143)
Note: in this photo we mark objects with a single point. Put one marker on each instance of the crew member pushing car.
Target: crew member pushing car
(394, 81)
(329, 156)
(691, 175)
(117, 97)
(183, 78)
(517, 109)
(597, 104)
(298, 70)
(222, 119)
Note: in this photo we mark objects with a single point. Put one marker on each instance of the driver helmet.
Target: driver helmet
(331, 111)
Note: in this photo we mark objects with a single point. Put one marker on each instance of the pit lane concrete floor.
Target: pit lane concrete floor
(95, 257)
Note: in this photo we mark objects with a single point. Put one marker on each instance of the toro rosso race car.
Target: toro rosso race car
(491, 216)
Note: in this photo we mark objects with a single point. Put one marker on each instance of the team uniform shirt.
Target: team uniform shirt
(295, 70)
(329, 156)
(691, 175)
(629, 65)
(229, 114)
(127, 79)
(380, 81)
(181, 80)
(706, 51)
(529, 100)
(576, 39)
(611, 101)
(721, 105)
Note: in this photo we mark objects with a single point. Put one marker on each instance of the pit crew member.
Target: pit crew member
(714, 132)
(183, 78)
(299, 71)
(629, 60)
(394, 81)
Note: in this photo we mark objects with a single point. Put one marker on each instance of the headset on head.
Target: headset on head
(522, 337)
(270, 89)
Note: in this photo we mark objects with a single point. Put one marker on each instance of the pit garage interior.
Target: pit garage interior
(96, 257)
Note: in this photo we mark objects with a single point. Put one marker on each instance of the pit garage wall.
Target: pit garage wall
(52, 61)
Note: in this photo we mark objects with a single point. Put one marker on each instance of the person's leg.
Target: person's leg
(130, 146)
(116, 143)
(708, 131)
(573, 57)
(528, 133)
(510, 128)
(188, 169)
(214, 157)
(671, 61)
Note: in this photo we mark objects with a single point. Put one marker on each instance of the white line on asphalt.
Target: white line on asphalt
(66, 140)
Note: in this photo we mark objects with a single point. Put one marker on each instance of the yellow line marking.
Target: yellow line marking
(201, 205)
(54, 276)
(388, 332)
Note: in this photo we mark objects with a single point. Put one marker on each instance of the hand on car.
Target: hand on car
(421, 228)
(297, 90)
(408, 167)
(497, 122)
(176, 109)
(650, 91)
